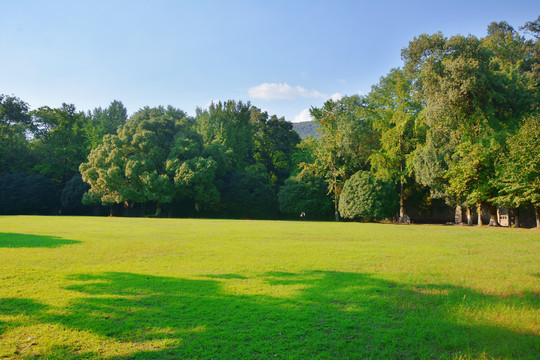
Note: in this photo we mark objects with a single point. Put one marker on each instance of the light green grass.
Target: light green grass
(124, 288)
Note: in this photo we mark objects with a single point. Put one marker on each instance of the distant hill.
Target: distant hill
(306, 128)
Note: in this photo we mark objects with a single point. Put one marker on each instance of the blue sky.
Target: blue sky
(282, 56)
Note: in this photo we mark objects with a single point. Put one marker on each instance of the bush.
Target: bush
(248, 195)
(27, 194)
(366, 198)
(306, 196)
(72, 194)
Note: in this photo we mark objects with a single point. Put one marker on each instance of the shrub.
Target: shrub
(72, 194)
(248, 195)
(27, 194)
(367, 198)
(305, 195)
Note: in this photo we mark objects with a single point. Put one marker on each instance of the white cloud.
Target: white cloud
(336, 97)
(362, 93)
(269, 91)
(303, 116)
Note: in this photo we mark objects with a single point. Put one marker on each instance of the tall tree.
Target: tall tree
(533, 49)
(229, 124)
(105, 121)
(346, 143)
(155, 157)
(467, 112)
(60, 142)
(395, 113)
(520, 170)
(15, 124)
(274, 143)
(131, 166)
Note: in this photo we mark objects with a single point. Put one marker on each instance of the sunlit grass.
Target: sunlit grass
(122, 288)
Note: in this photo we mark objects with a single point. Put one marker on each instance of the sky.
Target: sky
(282, 56)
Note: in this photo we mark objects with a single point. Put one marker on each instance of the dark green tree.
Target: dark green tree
(72, 195)
(367, 198)
(249, 195)
(131, 166)
(156, 157)
(346, 143)
(229, 124)
(395, 114)
(305, 196)
(60, 142)
(105, 121)
(520, 167)
(15, 124)
(274, 143)
(28, 195)
(467, 85)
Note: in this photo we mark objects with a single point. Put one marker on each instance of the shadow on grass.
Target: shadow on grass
(13, 240)
(332, 315)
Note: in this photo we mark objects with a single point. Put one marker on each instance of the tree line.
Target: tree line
(458, 121)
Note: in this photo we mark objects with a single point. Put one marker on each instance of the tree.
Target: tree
(306, 196)
(72, 195)
(533, 49)
(346, 143)
(27, 194)
(274, 143)
(467, 111)
(131, 166)
(395, 113)
(15, 123)
(157, 157)
(248, 194)
(194, 170)
(520, 171)
(367, 198)
(230, 125)
(60, 142)
(105, 121)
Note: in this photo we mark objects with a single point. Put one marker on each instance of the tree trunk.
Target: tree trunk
(516, 217)
(469, 216)
(537, 213)
(458, 215)
(493, 216)
(403, 218)
(336, 212)
(479, 211)
(158, 209)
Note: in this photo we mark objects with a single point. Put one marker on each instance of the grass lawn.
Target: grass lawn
(126, 288)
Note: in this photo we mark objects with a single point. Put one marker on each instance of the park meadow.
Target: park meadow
(143, 288)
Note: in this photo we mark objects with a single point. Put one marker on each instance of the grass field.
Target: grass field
(125, 288)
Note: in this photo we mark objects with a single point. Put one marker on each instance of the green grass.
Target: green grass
(124, 288)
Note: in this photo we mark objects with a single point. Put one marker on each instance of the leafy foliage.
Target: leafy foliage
(346, 143)
(274, 144)
(61, 144)
(27, 194)
(248, 195)
(72, 195)
(367, 198)
(305, 197)
(395, 113)
(15, 123)
(105, 121)
(520, 167)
